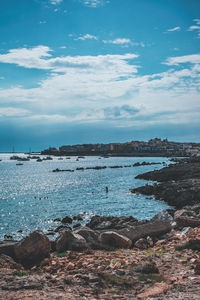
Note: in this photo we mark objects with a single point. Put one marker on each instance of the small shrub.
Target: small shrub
(39, 287)
(19, 273)
(61, 254)
(116, 280)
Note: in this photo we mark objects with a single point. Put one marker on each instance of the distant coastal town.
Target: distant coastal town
(154, 147)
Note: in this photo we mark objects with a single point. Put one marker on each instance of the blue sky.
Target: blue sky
(81, 71)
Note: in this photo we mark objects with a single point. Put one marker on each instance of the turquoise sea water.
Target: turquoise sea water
(32, 196)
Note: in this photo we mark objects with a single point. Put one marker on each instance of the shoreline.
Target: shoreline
(114, 257)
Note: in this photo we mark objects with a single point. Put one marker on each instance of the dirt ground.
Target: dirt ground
(160, 272)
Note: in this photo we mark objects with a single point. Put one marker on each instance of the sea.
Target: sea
(32, 196)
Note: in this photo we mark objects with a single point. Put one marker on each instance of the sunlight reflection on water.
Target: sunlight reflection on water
(32, 195)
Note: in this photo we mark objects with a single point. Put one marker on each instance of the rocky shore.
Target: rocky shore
(178, 184)
(115, 257)
(110, 258)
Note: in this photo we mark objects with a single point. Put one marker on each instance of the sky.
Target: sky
(98, 71)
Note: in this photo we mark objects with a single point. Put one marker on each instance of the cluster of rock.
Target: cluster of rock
(28, 158)
(138, 164)
(104, 233)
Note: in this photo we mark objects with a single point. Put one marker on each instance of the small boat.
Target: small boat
(19, 164)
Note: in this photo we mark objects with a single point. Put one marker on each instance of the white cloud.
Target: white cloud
(178, 28)
(13, 112)
(193, 59)
(196, 27)
(28, 58)
(87, 37)
(118, 41)
(55, 2)
(125, 42)
(92, 3)
(40, 58)
(197, 21)
(52, 118)
(104, 87)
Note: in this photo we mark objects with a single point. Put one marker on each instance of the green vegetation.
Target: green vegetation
(151, 252)
(163, 251)
(152, 277)
(39, 287)
(116, 280)
(61, 254)
(20, 273)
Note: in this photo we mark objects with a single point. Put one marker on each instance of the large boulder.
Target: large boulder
(90, 236)
(32, 249)
(187, 217)
(114, 239)
(152, 229)
(68, 240)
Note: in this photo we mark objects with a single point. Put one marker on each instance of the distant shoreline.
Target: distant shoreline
(100, 154)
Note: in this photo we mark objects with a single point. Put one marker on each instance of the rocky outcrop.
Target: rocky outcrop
(115, 240)
(32, 249)
(144, 163)
(175, 193)
(179, 183)
(182, 171)
(68, 240)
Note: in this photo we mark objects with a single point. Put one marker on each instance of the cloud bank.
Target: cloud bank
(103, 88)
